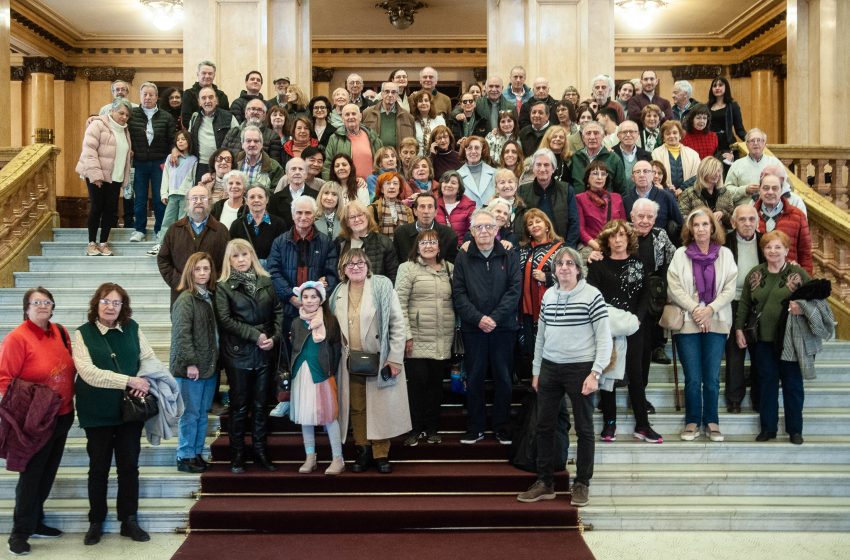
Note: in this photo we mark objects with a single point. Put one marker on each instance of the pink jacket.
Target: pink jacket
(459, 219)
(98, 157)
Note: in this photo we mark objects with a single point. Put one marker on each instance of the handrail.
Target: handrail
(27, 206)
(826, 164)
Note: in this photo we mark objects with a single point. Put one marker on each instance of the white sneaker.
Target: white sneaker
(137, 236)
(154, 251)
(92, 250)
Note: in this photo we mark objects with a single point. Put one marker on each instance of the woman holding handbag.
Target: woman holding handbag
(372, 382)
(701, 282)
(109, 350)
(424, 287)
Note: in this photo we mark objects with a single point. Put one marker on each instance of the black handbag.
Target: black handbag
(458, 349)
(751, 327)
(363, 364)
(134, 409)
(656, 291)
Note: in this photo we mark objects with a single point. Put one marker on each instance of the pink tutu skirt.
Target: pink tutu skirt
(313, 404)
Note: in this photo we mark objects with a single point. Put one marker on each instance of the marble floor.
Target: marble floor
(606, 545)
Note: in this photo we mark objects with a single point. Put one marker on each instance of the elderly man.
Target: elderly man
(591, 136)
(531, 135)
(354, 140)
(744, 174)
(540, 89)
(743, 241)
(488, 105)
(255, 115)
(151, 137)
(255, 163)
(518, 93)
(315, 159)
(253, 84)
(787, 194)
(197, 231)
(192, 96)
(120, 90)
(776, 213)
(280, 85)
(280, 204)
(424, 209)
(628, 150)
(354, 86)
(303, 253)
(208, 127)
(440, 101)
(646, 95)
(554, 198)
(388, 119)
(668, 216)
(486, 287)
(682, 100)
(602, 87)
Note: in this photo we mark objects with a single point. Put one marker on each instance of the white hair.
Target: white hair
(547, 153)
(148, 85)
(646, 203)
(753, 131)
(304, 198)
(251, 127)
(607, 79)
(685, 86)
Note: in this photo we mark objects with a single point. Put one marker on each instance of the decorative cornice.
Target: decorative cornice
(107, 73)
(322, 74)
(17, 73)
(27, 23)
(696, 72)
(762, 29)
(770, 62)
(48, 65)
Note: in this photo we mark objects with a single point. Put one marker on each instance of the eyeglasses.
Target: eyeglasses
(224, 159)
(467, 101)
(629, 131)
(111, 302)
(565, 264)
(319, 108)
(484, 227)
(643, 172)
(429, 243)
(353, 217)
(597, 173)
(358, 264)
(201, 198)
(41, 303)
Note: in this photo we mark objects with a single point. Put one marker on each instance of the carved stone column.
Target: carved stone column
(38, 109)
(764, 71)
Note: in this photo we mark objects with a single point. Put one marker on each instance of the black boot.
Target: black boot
(364, 459)
(93, 534)
(237, 462)
(383, 465)
(262, 460)
(130, 528)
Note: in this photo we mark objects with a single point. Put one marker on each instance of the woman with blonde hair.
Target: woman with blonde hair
(329, 216)
(709, 191)
(555, 138)
(250, 318)
(385, 160)
(358, 229)
(296, 102)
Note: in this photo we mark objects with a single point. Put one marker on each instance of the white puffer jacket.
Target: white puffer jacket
(426, 302)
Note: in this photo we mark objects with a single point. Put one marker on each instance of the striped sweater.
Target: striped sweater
(573, 328)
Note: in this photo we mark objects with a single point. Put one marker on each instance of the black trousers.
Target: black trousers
(637, 392)
(555, 381)
(248, 387)
(103, 209)
(34, 484)
(424, 392)
(736, 381)
(124, 442)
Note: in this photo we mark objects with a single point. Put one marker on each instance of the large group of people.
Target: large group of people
(346, 237)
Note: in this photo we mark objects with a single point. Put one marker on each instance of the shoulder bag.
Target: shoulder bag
(134, 409)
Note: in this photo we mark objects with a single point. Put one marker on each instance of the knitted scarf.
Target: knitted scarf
(600, 200)
(247, 279)
(315, 322)
(703, 269)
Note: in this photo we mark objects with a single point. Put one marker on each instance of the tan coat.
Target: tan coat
(97, 159)
(426, 302)
(387, 408)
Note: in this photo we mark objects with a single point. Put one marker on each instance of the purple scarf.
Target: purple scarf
(703, 269)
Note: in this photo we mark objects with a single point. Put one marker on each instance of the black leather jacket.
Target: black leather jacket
(241, 320)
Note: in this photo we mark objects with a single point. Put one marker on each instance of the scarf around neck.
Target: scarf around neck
(703, 270)
(247, 279)
(315, 322)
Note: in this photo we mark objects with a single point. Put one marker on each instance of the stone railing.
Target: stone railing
(828, 221)
(27, 206)
(828, 165)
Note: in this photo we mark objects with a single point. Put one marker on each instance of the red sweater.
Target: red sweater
(704, 143)
(37, 356)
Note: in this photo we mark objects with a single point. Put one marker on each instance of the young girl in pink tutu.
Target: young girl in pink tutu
(315, 357)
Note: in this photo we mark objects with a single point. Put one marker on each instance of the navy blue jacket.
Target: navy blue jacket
(487, 286)
(668, 208)
(282, 264)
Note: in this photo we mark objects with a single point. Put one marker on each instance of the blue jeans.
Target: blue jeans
(197, 399)
(175, 210)
(700, 354)
(147, 172)
(772, 370)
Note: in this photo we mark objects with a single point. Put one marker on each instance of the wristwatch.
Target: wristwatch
(596, 375)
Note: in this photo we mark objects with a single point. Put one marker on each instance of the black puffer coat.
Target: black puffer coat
(163, 135)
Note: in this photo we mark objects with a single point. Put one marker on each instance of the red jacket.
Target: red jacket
(793, 223)
(459, 219)
(28, 414)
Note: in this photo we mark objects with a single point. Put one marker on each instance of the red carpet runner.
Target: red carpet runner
(441, 501)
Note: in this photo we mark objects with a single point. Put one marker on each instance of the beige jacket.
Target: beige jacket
(426, 303)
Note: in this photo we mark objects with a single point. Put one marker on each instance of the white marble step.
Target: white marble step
(78, 249)
(156, 515)
(141, 295)
(81, 235)
(154, 482)
(104, 265)
(828, 371)
(163, 455)
(75, 315)
(89, 278)
(661, 395)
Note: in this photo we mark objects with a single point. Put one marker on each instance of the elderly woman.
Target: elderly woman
(277, 119)
(319, 108)
(229, 209)
(566, 114)
(329, 216)
(109, 352)
(571, 94)
(359, 230)
(478, 176)
(424, 287)
(698, 136)
(296, 102)
(506, 187)
(619, 276)
(300, 140)
(422, 176)
(536, 258)
(105, 166)
(385, 160)
(454, 209)
(340, 99)
(194, 357)
(708, 191)
(506, 131)
(569, 358)
(256, 225)
(38, 351)
(373, 335)
(442, 153)
(768, 288)
(501, 210)
(555, 138)
(249, 317)
(680, 161)
(597, 205)
(701, 282)
(344, 176)
(388, 209)
(221, 162)
(427, 119)
(408, 151)
(650, 133)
